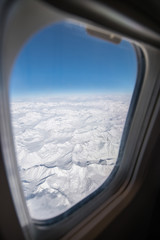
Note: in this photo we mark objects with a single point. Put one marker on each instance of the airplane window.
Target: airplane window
(69, 97)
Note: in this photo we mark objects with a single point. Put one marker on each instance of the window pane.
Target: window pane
(69, 97)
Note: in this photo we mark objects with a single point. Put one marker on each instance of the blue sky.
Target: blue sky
(63, 58)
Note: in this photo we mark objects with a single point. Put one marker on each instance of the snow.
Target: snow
(66, 147)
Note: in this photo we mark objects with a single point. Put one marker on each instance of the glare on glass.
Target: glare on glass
(69, 95)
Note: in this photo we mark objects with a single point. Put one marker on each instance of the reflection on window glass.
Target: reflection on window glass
(69, 97)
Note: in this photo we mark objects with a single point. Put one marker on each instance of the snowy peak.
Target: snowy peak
(66, 148)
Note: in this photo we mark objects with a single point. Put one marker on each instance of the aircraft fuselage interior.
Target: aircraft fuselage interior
(79, 119)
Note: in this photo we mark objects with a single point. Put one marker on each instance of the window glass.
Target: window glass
(69, 96)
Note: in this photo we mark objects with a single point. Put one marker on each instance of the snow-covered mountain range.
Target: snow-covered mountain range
(66, 147)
